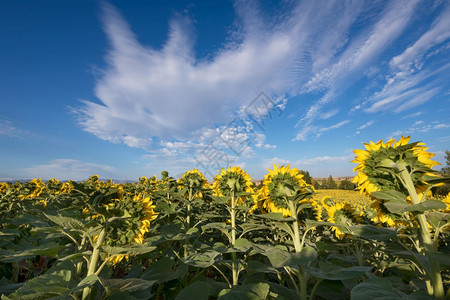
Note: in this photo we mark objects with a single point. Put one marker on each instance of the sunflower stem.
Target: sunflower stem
(188, 218)
(233, 239)
(94, 260)
(437, 289)
(296, 237)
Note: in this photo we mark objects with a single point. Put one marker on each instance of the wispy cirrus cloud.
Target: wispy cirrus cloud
(355, 56)
(414, 76)
(319, 48)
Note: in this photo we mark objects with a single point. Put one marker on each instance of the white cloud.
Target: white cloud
(413, 79)
(354, 59)
(169, 93)
(412, 56)
(75, 169)
(370, 123)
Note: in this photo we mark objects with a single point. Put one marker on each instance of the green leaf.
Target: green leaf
(201, 260)
(199, 290)
(435, 180)
(243, 244)
(44, 286)
(164, 270)
(331, 271)
(395, 207)
(279, 258)
(219, 200)
(259, 267)
(274, 216)
(441, 258)
(437, 218)
(50, 249)
(254, 291)
(128, 284)
(370, 232)
(128, 249)
(391, 195)
(67, 222)
(426, 206)
(376, 288)
(86, 282)
(7, 286)
(314, 223)
(170, 231)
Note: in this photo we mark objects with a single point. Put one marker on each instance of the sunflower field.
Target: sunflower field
(230, 239)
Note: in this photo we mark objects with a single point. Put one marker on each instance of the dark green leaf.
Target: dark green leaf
(255, 291)
(128, 250)
(275, 217)
(199, 290)
(334, 272)
(128, 284)
(376, 288)
(44, 286)
(425, 206)
(67, 222)
(279, 258)
(50, 249)
(201, 260)
(371, 232)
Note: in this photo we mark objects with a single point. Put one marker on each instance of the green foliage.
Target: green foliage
(346, 185)
(193, 250)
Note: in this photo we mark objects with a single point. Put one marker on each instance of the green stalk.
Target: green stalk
(298, 248)
(296, 237)
(188, 218)
(437, 289)
(234, 267)
(94, 260)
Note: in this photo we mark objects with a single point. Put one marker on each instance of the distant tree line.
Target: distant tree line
(443, 190)
(330, 183)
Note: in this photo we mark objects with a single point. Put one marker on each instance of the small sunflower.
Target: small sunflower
(342, 214)
(279, 185)
(233, 180)
(31, 189)
(193, 180)
(4, 186)
(135, 214)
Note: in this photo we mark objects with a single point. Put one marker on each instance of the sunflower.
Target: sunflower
(135, 214)
(376, 162)
(446, 200)
(193, 180)
(279, 185)
(31, 189)
(233, 181)
(342, 214)
(3, 188)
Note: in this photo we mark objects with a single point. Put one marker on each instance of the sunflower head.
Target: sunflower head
(4, 186)
(281, 185)
(133, 215)
(342, 214)
(193, 179)
(379, 163)
(31, 189)
(233, 179)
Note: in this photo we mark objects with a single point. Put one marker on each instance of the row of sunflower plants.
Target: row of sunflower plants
(188, 239)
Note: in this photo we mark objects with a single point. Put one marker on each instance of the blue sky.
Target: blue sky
(125, 89)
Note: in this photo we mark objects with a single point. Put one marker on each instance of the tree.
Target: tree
(443, 190)
(347, 185)
(329, 183)
(306, 176)
(446, 169)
